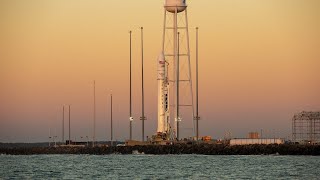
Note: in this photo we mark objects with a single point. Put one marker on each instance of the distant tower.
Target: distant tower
(174, 71)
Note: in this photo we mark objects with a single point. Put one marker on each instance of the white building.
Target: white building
(247, 141)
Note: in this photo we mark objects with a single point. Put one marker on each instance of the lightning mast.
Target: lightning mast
(197, 118)
(130, 109)
(142, 118)
(94, 113)
(69, 125)
(63, 124)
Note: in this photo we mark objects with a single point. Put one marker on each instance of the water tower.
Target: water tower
(175, 101)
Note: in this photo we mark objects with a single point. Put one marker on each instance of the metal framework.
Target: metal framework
(175, 47)
(306, 127)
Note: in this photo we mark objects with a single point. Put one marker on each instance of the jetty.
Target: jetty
(204, 149)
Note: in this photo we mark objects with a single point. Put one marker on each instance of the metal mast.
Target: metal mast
(49, 136)
(69, 126)
(177, 88)
(111, 120)
(63, 124)
(130, 112)
(94, 113)
(142, 118)
(197, 118)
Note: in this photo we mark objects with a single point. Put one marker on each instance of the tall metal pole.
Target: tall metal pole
(54, 137)
(130, 114)
(49, 136)
(175, 33)
(197, 88)
(178, 56)
(261, 135)
(63, 124)
(111, 119)
(189, 62)
(69, 126)
(94, 113)
(142, 113)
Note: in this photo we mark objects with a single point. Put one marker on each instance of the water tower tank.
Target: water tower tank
(171, 5)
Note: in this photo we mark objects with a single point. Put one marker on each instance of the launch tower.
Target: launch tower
(174, 72)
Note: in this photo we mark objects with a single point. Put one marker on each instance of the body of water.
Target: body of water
(158, 167)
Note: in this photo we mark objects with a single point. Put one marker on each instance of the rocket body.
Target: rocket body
(163, 96)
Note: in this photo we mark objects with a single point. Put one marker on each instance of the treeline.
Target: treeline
(205, 149)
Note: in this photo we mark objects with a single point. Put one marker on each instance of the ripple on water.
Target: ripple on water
(158, 167)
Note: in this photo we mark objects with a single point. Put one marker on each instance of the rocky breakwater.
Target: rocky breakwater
(206, 149)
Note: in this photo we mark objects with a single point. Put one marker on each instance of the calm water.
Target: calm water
(158, 167)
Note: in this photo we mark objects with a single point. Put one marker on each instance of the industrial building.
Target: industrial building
(247, 141)
(253, 135)
(306, 127)
(254, 138)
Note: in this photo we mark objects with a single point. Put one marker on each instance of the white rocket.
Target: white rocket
(163, 96)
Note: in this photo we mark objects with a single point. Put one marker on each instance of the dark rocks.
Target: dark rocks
(207, 149)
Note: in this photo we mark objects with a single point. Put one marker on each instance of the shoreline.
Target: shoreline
(204, 149)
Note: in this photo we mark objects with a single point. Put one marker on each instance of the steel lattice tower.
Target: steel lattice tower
(176, 52)
(306, 127)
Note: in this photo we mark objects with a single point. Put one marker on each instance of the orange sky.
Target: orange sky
(259, 64)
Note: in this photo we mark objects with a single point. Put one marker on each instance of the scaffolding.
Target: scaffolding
(306, 127)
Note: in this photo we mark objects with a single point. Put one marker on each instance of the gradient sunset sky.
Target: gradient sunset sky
(259, 64)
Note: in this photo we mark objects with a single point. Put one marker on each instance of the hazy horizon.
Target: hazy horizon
(259, 64)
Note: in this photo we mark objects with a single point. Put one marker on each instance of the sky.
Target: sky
(258, 65)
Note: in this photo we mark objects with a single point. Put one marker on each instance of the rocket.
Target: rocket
(163, 96)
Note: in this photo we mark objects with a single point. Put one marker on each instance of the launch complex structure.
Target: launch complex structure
(175, 96)
(306, 127)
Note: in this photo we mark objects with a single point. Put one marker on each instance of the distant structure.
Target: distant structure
(306, 127)
(69, 141)
(227, 135)
(143, 117)
(253, 135)
(130, 93)
(255, 138)
(247, 141)
(111, 120)
(197, 117)
(94, 114)
(62, 136)
(174, 72)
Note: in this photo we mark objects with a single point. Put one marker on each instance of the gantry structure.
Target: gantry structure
(306, 127)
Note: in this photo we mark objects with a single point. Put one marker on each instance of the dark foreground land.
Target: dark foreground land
(206, 149)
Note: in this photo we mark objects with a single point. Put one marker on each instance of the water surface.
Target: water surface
(158, 167)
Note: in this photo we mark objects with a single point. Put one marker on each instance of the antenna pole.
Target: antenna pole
(197, 87)
(63, 124)
(178, 56)
(94, 113)
(176, 69)
(111, 120)
(49, 136)
(130, 114)
(69, 126)
(142, 115)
